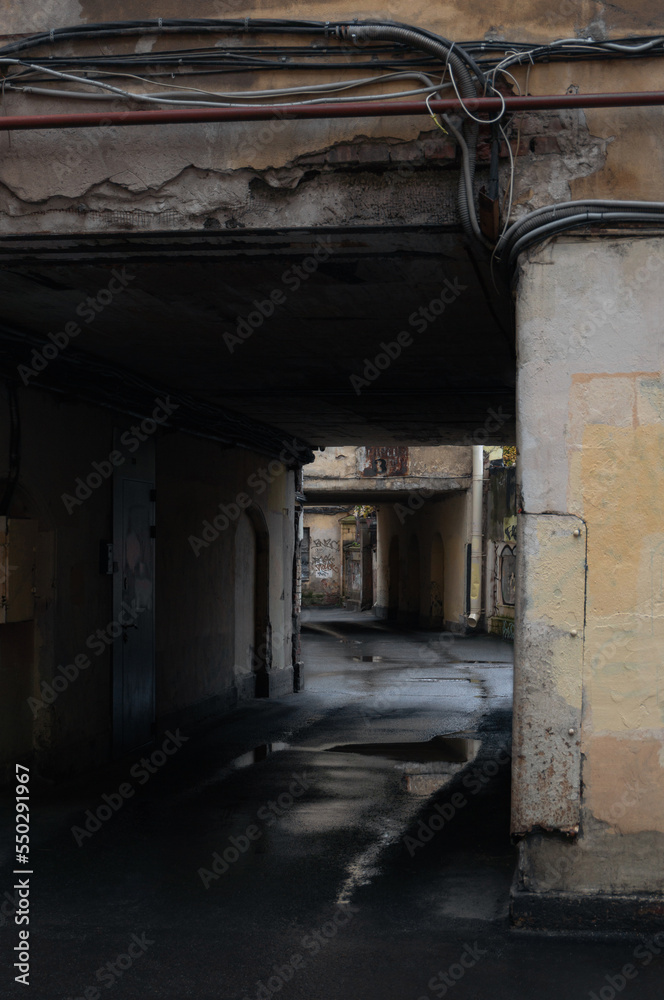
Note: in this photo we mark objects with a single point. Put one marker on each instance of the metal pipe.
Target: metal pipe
(359, 109)
(476, 537)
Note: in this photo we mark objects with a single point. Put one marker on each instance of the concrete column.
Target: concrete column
(588, 762)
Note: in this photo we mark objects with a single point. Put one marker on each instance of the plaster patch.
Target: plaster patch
(145, 44)
(624, 783)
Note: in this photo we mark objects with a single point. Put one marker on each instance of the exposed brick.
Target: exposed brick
(343, 154)
(405, 152)
(373, 154)
(532, 124)
(544, 144)
(437, 149)
(524, 147)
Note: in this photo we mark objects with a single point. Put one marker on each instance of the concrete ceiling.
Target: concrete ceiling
(186, 291)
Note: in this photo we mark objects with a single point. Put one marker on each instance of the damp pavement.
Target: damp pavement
(350, 842)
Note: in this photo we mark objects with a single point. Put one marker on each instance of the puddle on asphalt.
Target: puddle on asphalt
(439, 749)
(368, 659)
(258, 754)
(447, 749)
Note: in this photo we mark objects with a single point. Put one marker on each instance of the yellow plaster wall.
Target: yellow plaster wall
(617, 485)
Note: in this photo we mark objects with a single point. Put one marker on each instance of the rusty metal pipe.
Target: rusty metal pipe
(359, 109)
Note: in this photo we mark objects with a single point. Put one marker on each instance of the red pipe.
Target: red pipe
(358, 109)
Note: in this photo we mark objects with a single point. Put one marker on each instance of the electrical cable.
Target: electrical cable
(444, 50)
(157, 98)
(465, 159)
(471, 65)
(552, 220)
(389, 31)
(480, 121)
(283, 91)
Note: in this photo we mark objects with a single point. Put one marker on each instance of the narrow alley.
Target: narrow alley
(350, 842)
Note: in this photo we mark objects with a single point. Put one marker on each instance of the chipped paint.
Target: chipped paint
(548, 674)
(183, 176)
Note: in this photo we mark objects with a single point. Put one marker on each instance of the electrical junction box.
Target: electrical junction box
(18, 546)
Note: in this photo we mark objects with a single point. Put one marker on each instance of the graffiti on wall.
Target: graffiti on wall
(325, 543)
(509, 528)
(323, 566)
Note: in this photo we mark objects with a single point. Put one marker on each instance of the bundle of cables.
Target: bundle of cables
(388, 59)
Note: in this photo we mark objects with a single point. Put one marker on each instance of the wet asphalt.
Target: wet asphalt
(262, 855)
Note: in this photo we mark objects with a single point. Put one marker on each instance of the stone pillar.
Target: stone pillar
(588, 764)
(385, 529)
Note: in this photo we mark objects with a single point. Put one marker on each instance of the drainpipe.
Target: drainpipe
(476, 537)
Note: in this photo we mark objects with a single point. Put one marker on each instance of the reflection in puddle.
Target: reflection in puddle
(258, 754)
(450, 749)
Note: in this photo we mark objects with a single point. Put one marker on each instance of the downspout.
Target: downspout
(476, 537)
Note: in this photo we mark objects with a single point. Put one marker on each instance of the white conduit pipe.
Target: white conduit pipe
(476, 537)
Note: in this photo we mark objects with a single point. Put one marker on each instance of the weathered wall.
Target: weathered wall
(59, 443)
(196, 603)
(324, 583)
(500, 550)
(534, 20)
(206, 593)
(305, 173)
(403, 469)
(589, 713)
